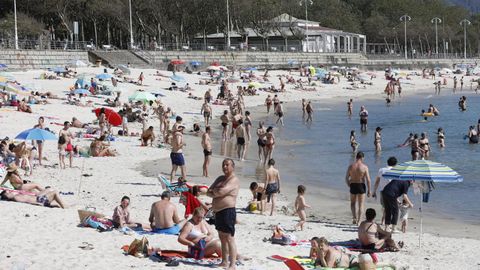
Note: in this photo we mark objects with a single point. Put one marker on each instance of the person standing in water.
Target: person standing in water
(279, 112)
(304, 106)
(363, 118)
(350, 108)
(268, 103)
(424, 145)
(272, 184)
(441, 137)
(309, 110)
(269, 144)
(240, 135)
(207, 150)
(353, 141)
(454, 83)
(358, 180)
(378, 139)
(224, 118)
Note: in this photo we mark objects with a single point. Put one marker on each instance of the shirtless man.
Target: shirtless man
(160, 112)
(279, 112)
(268, 103)
(304, 105)
(272, 183)
(350, 108)
(176, 155)
(240, 135)
(258, 193)
(363, 118)
(207, 150)
(224, 118)
(309, 110)
(224, 192)
(207, 112)
(357, 175)
(377, 140)
(276, 101)
(68, 141)
(164, 216)
(148, 135)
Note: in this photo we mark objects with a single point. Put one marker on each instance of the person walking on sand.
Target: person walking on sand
(381, 182)
(268, 103)
(207, 150)
(377, 140)
(300, 206)
(224, 118)
(224, 192)
(269, 144)
(240, 135)
(309, 110)
(358, 180)
(272, 183)
(363, 119)
(176, 156)
(207, 112)
(67, 146)
(279, 112)
(276, 101)
(261, 133)
(248, 125)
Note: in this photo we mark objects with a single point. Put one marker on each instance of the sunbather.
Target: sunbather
(44, 198)
(372, 236)
(328, 256)
(14, 177)
(100, 149)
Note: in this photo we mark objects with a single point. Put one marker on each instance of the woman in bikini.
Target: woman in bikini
(269, 144)
(353, 141)
(248, 125)
(441, 137)
(268, 103)
(99, 149)
(328, 256)
(44, 198)
(373, 237)
(425, 146)
(261, 133)
(14, 178)
(415, 144)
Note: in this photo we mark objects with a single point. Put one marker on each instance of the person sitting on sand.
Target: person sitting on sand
(164, 216)
(17, 183)
(197, 230)
(148, 135)
(121, 215)
(373, 237)
(100, 149)
(328, 256)
(77, 124)
(23, 107)
(44, 198)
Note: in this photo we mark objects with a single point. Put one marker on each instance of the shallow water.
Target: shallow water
(318, 154)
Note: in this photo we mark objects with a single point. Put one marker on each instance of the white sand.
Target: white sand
(46, 238)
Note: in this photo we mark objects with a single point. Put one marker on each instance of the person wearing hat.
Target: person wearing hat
(14, 178)
(377, 140)
(176, 155)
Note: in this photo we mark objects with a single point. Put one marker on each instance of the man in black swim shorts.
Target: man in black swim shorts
(358, 180)
(224, 192)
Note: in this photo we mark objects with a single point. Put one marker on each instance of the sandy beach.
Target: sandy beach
(49, 238)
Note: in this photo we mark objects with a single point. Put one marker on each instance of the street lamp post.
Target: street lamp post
(306, 20)
(228, 26)
(436, 21)
(131, 27)
(405, 18)
(465, 22)
(15, 18)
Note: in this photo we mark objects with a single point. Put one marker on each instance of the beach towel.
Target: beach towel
(191, 202)
(182, 256)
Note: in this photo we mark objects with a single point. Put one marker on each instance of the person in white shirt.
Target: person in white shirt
(381, 182)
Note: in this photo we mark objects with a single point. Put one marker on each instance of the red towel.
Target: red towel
(191, 203)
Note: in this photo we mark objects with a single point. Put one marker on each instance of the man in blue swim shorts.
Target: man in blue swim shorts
(176, 156)
(164, 216)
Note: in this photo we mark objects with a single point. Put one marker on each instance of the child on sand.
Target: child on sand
(404, 206)
(300, 206)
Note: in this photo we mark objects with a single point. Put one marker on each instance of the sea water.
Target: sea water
(319, 153)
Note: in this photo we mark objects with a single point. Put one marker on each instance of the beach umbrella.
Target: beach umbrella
(124, 69)
(33, 87)
(112, 117)
(292, 62)
(423, 170)
(364, 77)
(195, 63)
(250, 69)
(3, 66)
(8, 76)
(177, 78)
(142, 96)
(223, 68)
(476, 70)
(59, 69)
(81, 91)
(215, 63)
(335, 68)
(104, 76)
(177, 62)
(254, 84)
(77, 63)
(82, 81)
(36, 134)
(3, 79)
(14, 88)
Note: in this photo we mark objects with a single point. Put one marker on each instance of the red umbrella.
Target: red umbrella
(112, 117)
(177, 62)
(215, 63)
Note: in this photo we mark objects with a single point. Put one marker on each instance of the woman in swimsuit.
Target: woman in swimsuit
(44, 198)
(40, 125)
(261, 133)
(472, 135)
(415, 147)
(441, 137)
(99, 149)
(196, 230)
(102, 120)
(328, 256)
(424, 145)
(269, 144)
(248, 125)
(353, 141)
(14, 178)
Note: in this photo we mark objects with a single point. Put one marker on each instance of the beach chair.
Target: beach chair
(177, 187)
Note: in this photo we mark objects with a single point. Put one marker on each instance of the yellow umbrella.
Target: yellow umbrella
(3, 79)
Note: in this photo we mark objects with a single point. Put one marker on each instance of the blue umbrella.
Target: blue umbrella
(82, 82)
(195, 63)
(36, 134)
(250, 69)
(59, 69)
(81, 91)
(423, 170)
(3, 66)
(177, 78)
(104, 76)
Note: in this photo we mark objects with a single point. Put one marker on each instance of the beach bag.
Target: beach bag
(99, 224)
(139, 248)
(198, 251)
